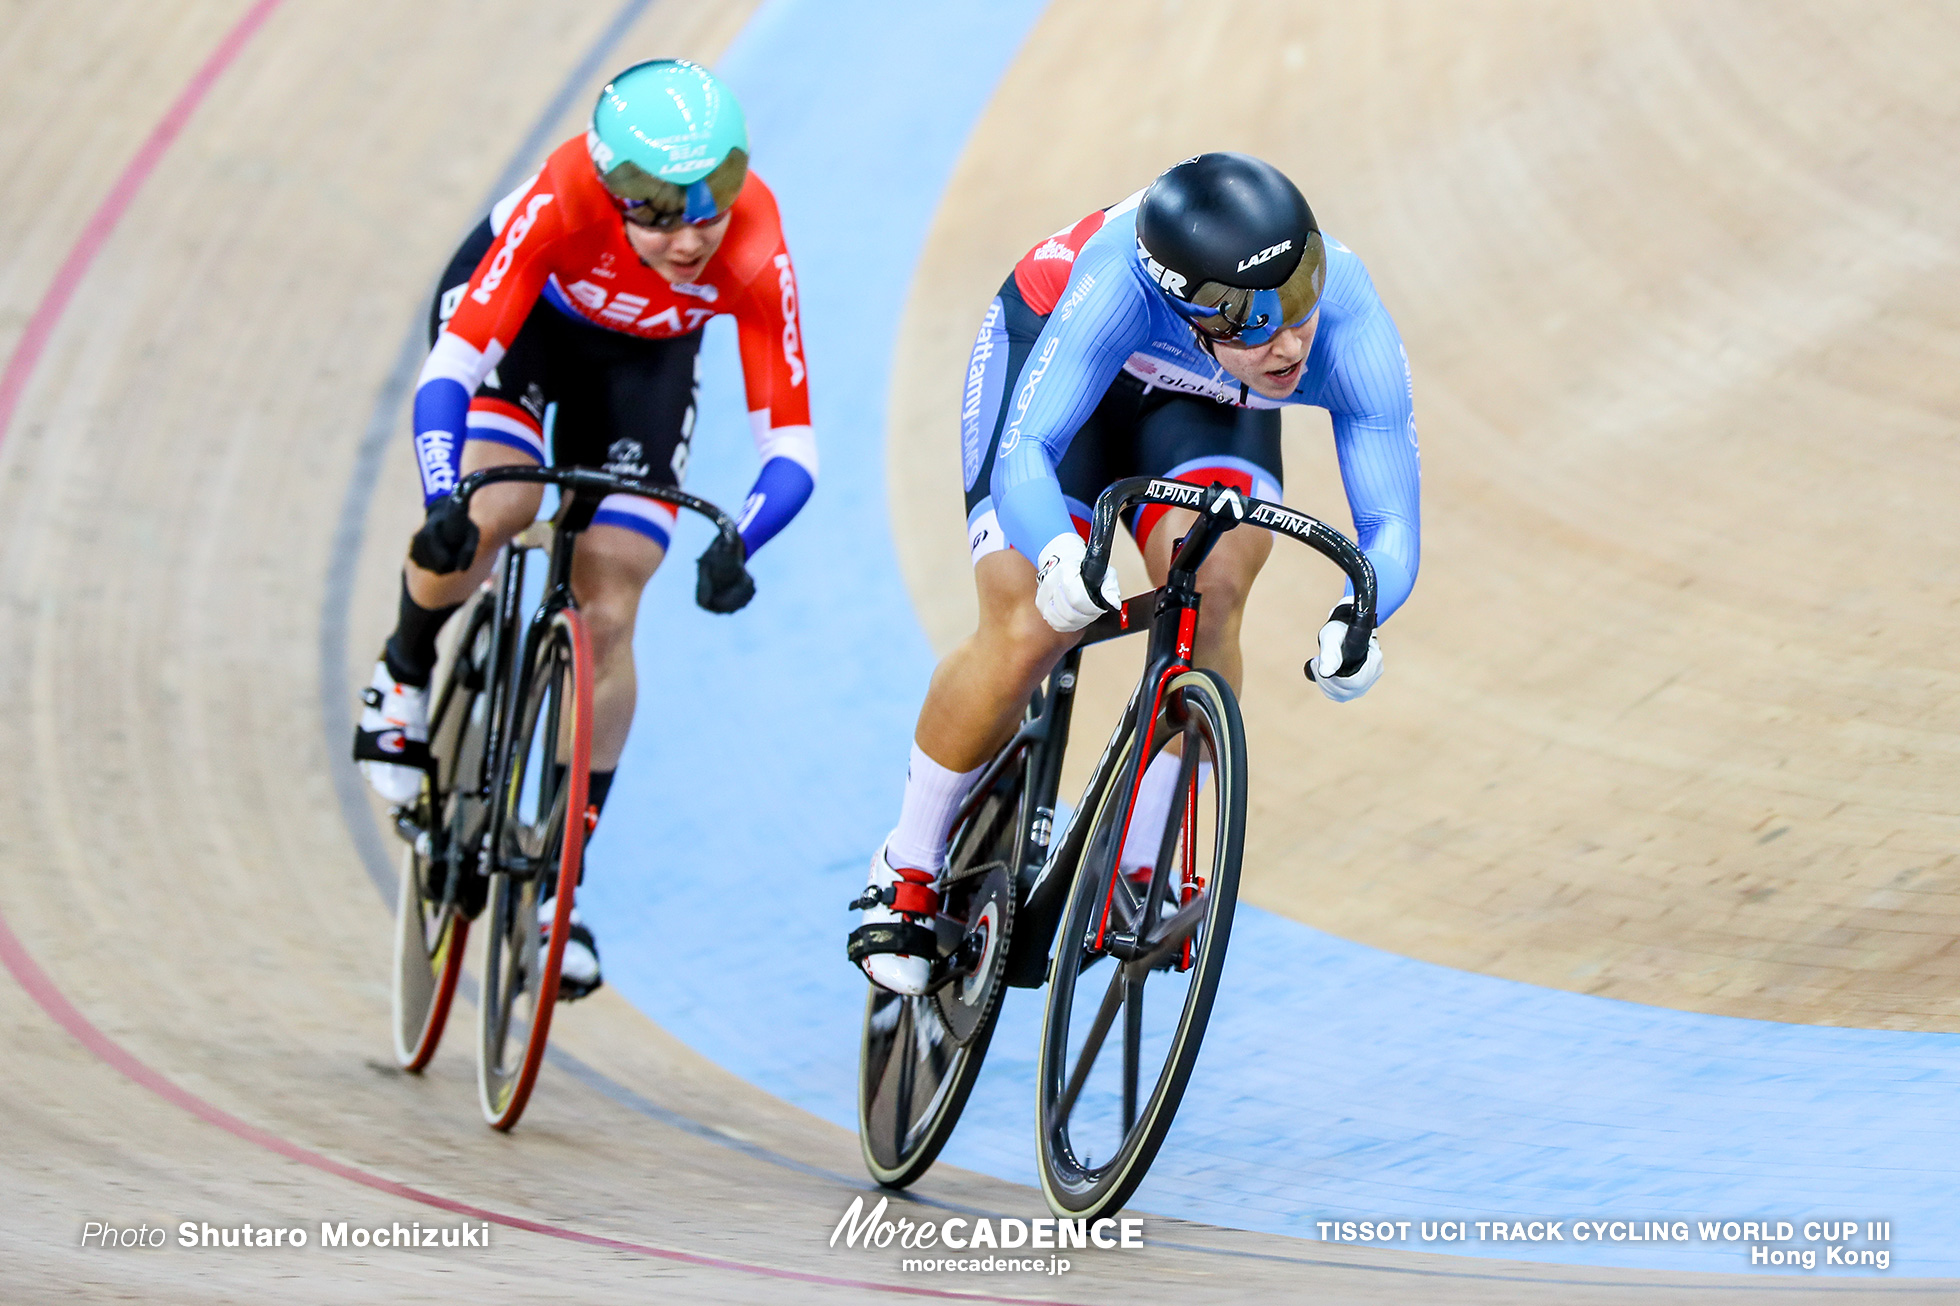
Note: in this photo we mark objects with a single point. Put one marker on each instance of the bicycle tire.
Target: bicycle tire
(551, 718)
(432, 914)
(1076, 1111)
(938, 1041)
(429, 951)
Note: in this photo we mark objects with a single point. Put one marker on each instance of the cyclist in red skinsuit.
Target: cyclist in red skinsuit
(586, 290)
(563, 239)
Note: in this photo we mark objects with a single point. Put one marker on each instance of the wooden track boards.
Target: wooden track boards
(170, 850)
(172, 853)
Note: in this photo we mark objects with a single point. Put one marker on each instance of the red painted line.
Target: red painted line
(28, 973)
(35, 981)
(39, 327)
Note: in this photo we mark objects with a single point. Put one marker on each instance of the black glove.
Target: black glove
(447, 541)
(724, 584)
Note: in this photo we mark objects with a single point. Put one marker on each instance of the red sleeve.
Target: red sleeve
(512, 274)
(774, 366)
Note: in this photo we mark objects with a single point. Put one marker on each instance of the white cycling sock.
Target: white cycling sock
(933, 796)
(1146, 832)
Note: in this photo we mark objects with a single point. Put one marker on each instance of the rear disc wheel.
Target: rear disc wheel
(432, 915)
(919, 1056)
(430, 936)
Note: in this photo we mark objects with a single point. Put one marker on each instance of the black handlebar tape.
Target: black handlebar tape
(1102, 531)
(1093, 571)
(1318, 535)
(588, 480)
(1354, 649)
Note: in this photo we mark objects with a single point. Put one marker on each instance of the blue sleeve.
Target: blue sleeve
(780, 491)
(1372, 400)
(450, 375)
(442, 409)
(1099, 323)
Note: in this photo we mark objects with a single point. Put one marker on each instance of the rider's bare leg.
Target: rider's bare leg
(979, 689)
(609, 571)
(973, 705)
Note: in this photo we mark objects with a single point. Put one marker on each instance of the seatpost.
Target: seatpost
(575, 513)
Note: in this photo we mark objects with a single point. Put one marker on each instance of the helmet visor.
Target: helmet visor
(1236, 315)
(651, 202)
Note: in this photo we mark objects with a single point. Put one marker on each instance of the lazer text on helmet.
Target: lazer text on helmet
(1270, 252)
(1172, 282)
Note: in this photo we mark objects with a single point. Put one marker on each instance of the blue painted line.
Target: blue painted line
(1338, 1081)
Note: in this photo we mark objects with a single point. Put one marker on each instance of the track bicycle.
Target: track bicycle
(500, 823)
(1010, 889)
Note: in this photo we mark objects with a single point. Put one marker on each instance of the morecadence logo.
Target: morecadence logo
(874, 1230)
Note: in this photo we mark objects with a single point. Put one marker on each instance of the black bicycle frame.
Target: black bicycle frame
(1170, 614)
(583, 490)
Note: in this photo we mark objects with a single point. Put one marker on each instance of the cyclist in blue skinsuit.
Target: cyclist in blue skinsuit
(1157, 337)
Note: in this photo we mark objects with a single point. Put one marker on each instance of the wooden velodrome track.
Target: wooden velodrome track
(1668, 719)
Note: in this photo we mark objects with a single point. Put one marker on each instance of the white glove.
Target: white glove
(1343, 689)
(1062, 596)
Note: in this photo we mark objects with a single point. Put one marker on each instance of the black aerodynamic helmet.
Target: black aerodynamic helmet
(1233, 245)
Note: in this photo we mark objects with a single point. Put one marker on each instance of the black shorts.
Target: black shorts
(1136, 430)
(607, 400)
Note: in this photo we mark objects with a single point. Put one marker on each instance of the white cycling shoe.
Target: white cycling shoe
(392, 741)
(578, 968)
(894, 944)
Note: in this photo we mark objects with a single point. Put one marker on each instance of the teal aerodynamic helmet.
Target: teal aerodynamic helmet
(669, 142)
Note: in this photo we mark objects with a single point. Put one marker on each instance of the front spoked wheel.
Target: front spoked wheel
(1138, 958)
(920, 1055)
(440, 888)
(541, 841)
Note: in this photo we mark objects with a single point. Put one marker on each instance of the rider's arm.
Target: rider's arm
(775, 373)
(501, 291)
(1097, 325)
(1373, 407)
